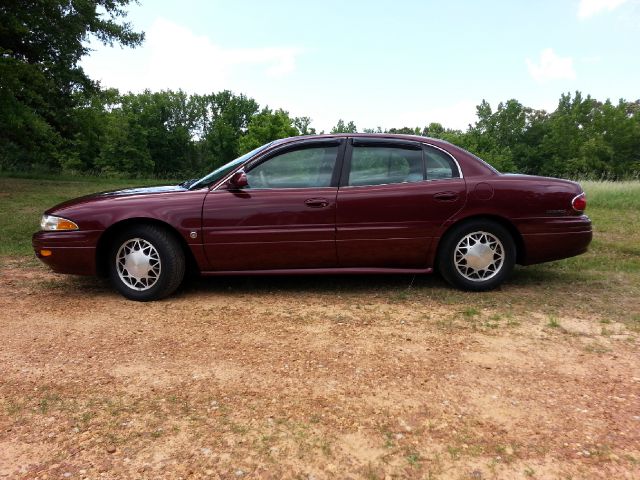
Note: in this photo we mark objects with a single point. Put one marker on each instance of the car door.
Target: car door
(393, 196)
(284, 218)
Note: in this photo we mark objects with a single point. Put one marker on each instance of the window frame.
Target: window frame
(426, 146)
(290, 147)
(355, 142)
(296, 146)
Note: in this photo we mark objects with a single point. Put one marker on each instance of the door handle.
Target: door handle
(317, 202)
(446, 196)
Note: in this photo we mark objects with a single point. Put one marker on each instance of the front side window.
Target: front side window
(439, 165)
(371, 165)
(304, 168)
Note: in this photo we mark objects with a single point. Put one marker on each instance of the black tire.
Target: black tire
(164, 257)
(461, 271)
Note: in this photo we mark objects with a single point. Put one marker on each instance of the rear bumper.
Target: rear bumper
(71, 252)
(562, 240)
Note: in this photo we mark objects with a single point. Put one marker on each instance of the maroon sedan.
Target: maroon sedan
(322, 204)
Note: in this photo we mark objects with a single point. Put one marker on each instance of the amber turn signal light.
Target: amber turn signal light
(46, 253)
(64, 224)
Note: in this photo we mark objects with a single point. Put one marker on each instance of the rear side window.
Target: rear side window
(439, 165)
(372, 165)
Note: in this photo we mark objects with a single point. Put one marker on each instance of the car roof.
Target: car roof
(397, 136)
(470, 164)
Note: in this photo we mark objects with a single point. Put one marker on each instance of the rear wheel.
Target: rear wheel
(146, 263)
(477, 255)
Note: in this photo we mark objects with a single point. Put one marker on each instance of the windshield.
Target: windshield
(218, 173)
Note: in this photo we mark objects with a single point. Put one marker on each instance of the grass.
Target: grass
(553, 322)
(23, 200)
(413, 458)
(470, 312)
(607, 277)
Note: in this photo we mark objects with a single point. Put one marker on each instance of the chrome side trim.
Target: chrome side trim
(401, 183)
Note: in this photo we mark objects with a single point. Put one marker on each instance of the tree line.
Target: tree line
(54, 118)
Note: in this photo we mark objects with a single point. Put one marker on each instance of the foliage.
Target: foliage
(341, 127)
(267, 126)
(41, 83)
(54, 118)
(223, 118)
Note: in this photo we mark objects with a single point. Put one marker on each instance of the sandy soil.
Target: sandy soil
(308, 378)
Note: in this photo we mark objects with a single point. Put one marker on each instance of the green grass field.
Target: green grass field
(23, 200)
(610, 270)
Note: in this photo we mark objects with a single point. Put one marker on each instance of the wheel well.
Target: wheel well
(517, 237)
(105, 240)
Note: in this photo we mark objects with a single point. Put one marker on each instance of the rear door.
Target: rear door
(393, 196)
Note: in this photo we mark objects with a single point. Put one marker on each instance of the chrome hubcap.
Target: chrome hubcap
(479, 256)
(138, 264)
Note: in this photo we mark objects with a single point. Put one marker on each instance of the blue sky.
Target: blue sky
(388, 64)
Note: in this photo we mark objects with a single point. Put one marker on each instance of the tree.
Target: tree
(342, 128)
(41, 82)
(267, 126)
(406, 130)
(303, 126)
(167, 122)
(125, 149)
(226, 120)
(434, 129)
(89, 122)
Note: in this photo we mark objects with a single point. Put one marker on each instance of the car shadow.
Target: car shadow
(312, 283)
(539, 276)
(366, 283)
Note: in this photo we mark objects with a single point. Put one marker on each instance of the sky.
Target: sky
(381, 63)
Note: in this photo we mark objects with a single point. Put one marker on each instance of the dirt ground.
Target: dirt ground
(311, 378)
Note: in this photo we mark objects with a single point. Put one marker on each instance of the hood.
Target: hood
(115, 194)
(143, 190)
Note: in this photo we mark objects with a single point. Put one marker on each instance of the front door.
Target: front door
(284, 219)
(394, 195)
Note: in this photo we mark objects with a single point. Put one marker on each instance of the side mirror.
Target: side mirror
(238, 180)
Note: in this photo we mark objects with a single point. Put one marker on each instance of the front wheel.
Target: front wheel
(477, 255)
(146, 263)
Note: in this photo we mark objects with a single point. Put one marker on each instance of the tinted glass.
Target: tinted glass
(306, 168)
(223, 170)
(381, 165)
(439, 165)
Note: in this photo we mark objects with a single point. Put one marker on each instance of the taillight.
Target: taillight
(579, 202)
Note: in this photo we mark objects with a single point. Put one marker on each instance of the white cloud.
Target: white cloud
(173, 57)
(551, 67)
(588, 8)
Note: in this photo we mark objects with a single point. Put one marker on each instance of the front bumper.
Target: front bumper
(72, 252)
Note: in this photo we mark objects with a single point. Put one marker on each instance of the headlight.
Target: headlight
(49, 222)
